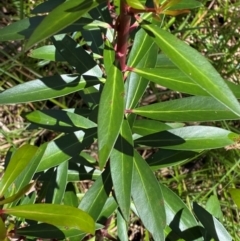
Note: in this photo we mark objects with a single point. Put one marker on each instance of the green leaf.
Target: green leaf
(47, 231)
(74, 54)
(94, 40)
(27, 174)
(65, 147)
(196, 108)
(213, 207)
(83, 174)
(70, 197)
(143, 54)
(171, 78)
(18, 195)
(95, 198)
(3, 231)
(55, 214)
(165, 158)
(110, 116)
(146, 127)
(121, 164)
(148, 199)
(181, 221)
(47, 52)
(211, 224)
(235, 194)
(194, 65)
(59, 120)
(45, 88)
(47, 6)
(108, 210)
(122, 231)
(108, 55)
(167, 75)
(21, 29)
(20, 160)
(186, 4)
(135, 4)
(60, 17)
(60, 183)
(189, 138)
(24, 28)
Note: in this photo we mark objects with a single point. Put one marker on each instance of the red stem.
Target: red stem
(122, 28)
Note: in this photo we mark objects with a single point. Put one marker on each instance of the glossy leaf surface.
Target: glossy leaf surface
(179, 218)
(59, 120)
(211, 224)
(110, 116)
(60, 17)
(48, 231)
(189, 138)
(146, 127)
(74, 54)
(148, 198)
(121, 164)
(45, 88)
(54, 214)
(194, 65)
(165, 158)
(20, 160)
(95, 198)
(197, 108)
(65, 147)
(17, 195)
(60, 183)
(47, 52)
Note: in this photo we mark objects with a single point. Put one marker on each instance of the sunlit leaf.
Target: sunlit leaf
(54, 214)
(194, 65)
(110, 116)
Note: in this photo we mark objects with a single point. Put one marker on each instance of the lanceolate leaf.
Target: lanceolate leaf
(18, 195)
(60, 183)
(148, 199)
(24, 28)
(45, 88)
(59, 120)
(171, 78)
(27, 174)
(197, 108)
(121, 168)
(95, 198)
(74, 54)
(189, 138)
(212, 226)
(194, 65)
(47, 52)
(146, 127)
(143, 54)
(110, 116)
(60, 17)
(20, 160)
(55, 214)
(48, 231)
(164, 158)
(181, 221)
(65, 147)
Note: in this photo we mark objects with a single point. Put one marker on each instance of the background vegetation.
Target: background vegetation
(213, 29)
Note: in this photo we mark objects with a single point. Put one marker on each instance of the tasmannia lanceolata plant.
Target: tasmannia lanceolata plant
(117, 50)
